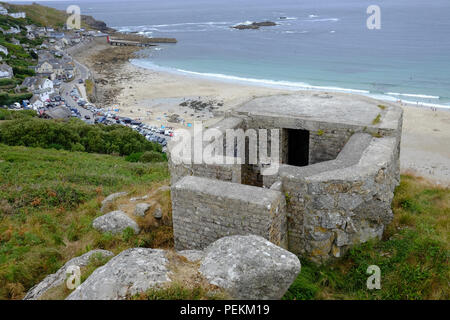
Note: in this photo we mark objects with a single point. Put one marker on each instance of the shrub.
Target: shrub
(152, 156)
(6, 82)
(6, 98)
(19, 114)
(75, 135)
(134, 157)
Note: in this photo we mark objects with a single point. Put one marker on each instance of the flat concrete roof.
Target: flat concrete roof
(224, 189)
(333, 107)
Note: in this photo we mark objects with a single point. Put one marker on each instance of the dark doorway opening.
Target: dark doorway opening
(298, 147)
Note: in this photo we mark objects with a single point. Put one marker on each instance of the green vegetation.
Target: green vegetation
(75, 135)
(320, 132)
(89, 87)
(18, 58)
(41, 15)
(413, 256)
(49, 199)
(377, 119)
(6, 114)
(381, 107)
(61, 292)
(146, 157)
(177, 291)
(7, 98)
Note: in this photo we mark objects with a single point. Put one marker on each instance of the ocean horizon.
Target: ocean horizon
(315, 45)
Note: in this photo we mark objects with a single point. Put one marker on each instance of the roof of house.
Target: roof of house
(35, 98)
(30, 81)
(5, 67)
(59, 113)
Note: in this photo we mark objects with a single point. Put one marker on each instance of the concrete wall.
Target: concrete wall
(334, 204)
(342, 198)
(205, 210)
(223, 172)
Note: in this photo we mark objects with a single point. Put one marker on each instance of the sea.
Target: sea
(316, 44)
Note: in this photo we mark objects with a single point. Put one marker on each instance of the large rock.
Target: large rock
(60, 276)
(115, 222)
(109, 200)
(192, 255)
(250, 267)
(255, 25)
(141, 209)
(131, 272)
(157, 214)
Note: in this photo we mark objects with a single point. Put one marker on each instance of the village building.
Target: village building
(40, 32)
(18, 15)
(6, 72)
(51, 69)
(36, 102)
(45, 69)
(43, 87)
(3, 11)
(13, 30)
(4, 50)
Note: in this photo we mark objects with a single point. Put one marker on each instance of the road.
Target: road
(82, 73)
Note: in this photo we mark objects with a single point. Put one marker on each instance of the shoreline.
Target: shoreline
(154, 96)
(296, 86)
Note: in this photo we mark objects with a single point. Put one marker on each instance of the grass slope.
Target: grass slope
(413, 256)
(48, 200)
(40, 15)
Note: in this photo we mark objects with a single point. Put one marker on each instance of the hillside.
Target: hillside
(50, 17)
(39, 15)
(50, 198)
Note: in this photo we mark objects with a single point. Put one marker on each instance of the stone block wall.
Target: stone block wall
(205, 210)
(325, 144)
(230, 173)
(342, 198)
(334, 204)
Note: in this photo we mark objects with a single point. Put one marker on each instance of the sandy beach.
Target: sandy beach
(154, 97)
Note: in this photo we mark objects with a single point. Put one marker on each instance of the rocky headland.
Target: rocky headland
(254, 25)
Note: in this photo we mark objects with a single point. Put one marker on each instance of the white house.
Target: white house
(3, 11)
(13, 30)
(36, 102)
(6, 71)
(4, 50)
(45, 84)
(18, 15)
(41, 87)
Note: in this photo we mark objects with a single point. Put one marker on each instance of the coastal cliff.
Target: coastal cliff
(55, 18)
